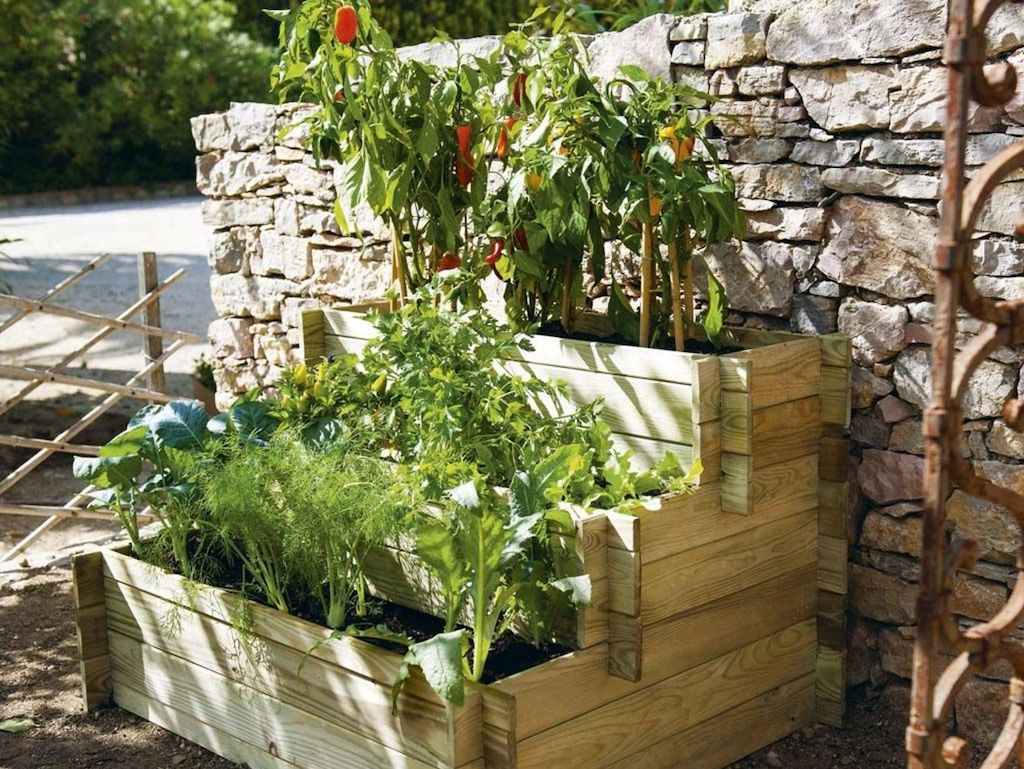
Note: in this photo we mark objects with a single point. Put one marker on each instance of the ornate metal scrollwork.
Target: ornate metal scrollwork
(929, 746)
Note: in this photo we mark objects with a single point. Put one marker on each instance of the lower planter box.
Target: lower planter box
(728, 665)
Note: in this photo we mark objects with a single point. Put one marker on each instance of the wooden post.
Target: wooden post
(647, 286)
(152, 346)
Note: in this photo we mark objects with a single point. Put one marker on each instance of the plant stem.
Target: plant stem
(399, 266)
(677, 299)
(688, 279)
(647, 285)
(567, 308)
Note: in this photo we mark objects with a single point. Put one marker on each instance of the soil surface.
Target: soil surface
(39, 680)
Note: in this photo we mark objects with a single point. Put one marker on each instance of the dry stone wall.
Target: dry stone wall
(830, 114)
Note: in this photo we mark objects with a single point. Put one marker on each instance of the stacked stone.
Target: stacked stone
(277, 247)
(830, 116)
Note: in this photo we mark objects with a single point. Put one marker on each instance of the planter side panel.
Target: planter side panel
(91, 624)
(176, 650)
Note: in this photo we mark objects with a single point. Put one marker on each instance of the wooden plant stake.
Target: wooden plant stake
(647, 285)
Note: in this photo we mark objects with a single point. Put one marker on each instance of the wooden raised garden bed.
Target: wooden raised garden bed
(716, 624)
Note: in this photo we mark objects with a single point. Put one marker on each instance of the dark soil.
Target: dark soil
(696, 346)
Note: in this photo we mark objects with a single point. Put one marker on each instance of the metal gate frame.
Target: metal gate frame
(979, 647)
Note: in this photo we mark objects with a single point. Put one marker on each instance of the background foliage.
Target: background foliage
(100, 92)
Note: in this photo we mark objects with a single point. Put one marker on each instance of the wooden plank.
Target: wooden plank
(776, 374)
(327, 692)
(745, 491)
(348, 322)
(247, 714)
(736, 733)
(670, 647)
(313, 347)
(194, 730)
(832, 501)
(836, 395)
(91, 629)
(614, 733)
(623, 360)
(836, 350)
(834, 458)
(830, 691)
(313, 640)
(624, 582)
(627, 407)
(831, 620)
(625, 646)
(832, 564)
(499, 730)
(707, 390)
(773, 434)
(702, 575)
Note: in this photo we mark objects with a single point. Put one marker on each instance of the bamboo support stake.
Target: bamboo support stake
(677, 298)
(99, 410)
(647, 286)
(65, 284)
(67, 511)
(100, 320)
(152, 346)
(95, 339)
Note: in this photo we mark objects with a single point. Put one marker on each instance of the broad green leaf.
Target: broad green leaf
(180, 425)
(715, 314)
(622, 315)
(129, 442)
(440, 659)
(108, 471)
(252, 420)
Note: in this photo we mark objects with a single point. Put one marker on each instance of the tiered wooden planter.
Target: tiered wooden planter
(716, 626)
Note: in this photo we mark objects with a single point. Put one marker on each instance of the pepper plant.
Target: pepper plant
(408, 135)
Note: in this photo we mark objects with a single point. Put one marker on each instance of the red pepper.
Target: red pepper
(449, 262)
(346, 24)
(519, 89)
(503, 138)
(520, 240)
(464, 163)
(339, 95)
(497, 249)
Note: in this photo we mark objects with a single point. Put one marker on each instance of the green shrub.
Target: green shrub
(101, 91)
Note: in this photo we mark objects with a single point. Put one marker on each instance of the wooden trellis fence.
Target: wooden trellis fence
(146, 385)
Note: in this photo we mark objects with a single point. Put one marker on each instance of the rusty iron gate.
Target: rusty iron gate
(977, 648)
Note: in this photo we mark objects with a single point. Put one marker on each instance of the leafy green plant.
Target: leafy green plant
(341, 506)
(158, 462)
(480, 553)
(605, 15)
(204, 373)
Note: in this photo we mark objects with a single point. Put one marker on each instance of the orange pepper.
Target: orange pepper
(503, 138)
(449, 262)
(533, 181)
(346, 24)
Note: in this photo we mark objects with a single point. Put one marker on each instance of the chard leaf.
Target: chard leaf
(252, 421)
(466, 495)
(578, 589)
(440, 659)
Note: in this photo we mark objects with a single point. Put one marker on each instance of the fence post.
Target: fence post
(152, 346)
